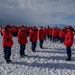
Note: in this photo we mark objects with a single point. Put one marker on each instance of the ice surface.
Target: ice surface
(47, 61)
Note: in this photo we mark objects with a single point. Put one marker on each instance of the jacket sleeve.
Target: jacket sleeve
(70, 38)
(6, 36)
(19, 37)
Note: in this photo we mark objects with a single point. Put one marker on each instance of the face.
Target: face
(68, 29)
(23, 28)
(9, 28)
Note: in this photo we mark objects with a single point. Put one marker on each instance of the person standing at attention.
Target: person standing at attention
(69, 42)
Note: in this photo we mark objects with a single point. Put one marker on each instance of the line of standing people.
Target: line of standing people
(54, 34)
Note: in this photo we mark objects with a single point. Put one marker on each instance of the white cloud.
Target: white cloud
(48, 6)
(38, 11)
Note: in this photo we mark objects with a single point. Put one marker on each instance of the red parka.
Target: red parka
(69, 39)
(62, 34)
(14, 29)
(22, 37)
(50, 31)
(7, 38)
(57, 32)
(33, 35)
(41, 33)
(45, 31)
(54, 33)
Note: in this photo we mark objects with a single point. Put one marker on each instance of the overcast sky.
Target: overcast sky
(36, 12)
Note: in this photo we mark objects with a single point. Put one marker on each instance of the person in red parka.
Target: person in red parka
(45, 33)
(15, 31)
(54, 34)
(7, 43)
(33, 38)
(41, 36)
(57, 34)
(48, 28)
(50, 34)
(62, 35)
(22, 40)
(69, 41)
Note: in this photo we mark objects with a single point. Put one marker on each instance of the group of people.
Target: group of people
(64, 35)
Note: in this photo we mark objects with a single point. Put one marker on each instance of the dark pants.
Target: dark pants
(22, 49)
(61, 40)
(47, 36)
(7, 53)
(15, 34)
(50, 37)
(54, 39)
(41, 43)
(57, 38)
(68, 50)
(33, 45)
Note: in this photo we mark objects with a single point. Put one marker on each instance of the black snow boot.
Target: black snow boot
(68, 59)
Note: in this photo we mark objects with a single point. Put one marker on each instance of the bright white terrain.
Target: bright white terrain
(47, 61)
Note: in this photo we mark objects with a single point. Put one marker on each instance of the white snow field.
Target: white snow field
(47, 61)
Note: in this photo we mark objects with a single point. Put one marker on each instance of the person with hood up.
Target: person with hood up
(33, 38)
(41, 36)
(7, 43)
(22, 40)
(69, 42)
(62, 35)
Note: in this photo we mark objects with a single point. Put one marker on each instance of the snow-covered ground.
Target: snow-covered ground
(47, 61)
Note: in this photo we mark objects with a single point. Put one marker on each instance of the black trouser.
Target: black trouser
(7, 53)
(61, 40)
(54, 39)
(45, 37)
(68, 50)
(15, 34)
(50, 37)
(33, 46)
(22, 49)
(57, 38)
(41, 43)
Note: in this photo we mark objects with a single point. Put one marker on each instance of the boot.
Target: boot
(7, 61)
(68, 59)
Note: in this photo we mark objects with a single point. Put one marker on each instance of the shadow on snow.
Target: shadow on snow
(48, 65)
